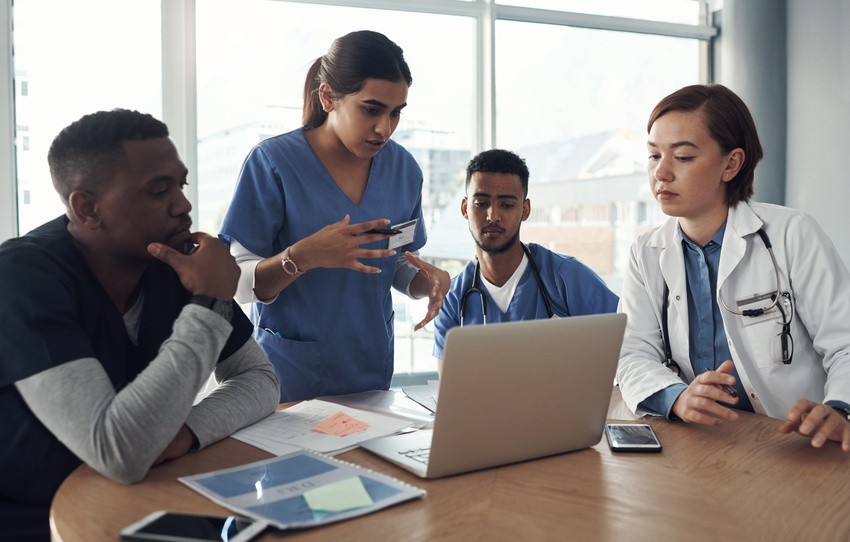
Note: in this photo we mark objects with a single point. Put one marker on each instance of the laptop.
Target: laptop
(512, 392)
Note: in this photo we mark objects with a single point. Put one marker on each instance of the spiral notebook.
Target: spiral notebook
(301, 489)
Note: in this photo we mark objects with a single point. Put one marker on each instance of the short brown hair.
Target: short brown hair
(730, 124)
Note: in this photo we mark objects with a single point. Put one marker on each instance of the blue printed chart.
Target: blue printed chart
(302, 489)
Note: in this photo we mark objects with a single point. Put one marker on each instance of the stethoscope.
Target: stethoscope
(476, 289)
(752, 313)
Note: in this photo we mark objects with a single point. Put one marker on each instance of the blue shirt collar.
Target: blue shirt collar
(717, 238)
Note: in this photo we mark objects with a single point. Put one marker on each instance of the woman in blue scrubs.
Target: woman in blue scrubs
(299, 223)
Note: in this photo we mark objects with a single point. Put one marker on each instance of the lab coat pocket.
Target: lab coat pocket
(764, 334)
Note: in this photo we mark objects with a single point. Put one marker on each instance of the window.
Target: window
(98, 61)
(577, 114)
(671, 11)
(250, 86)
(571, 85)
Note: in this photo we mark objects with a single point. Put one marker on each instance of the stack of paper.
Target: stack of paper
(426, 395)
(318, 425)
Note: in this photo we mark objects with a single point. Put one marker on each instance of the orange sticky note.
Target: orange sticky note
(340, 424)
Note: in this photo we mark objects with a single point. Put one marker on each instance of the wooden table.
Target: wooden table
(741, 481)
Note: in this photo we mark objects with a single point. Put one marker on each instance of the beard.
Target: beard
(498, 249)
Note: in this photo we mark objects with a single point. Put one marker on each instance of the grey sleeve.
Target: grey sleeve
(121, 435)
(404, 273)
(248, 390)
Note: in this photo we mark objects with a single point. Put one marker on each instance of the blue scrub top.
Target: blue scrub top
(330, 331)
(573, 289)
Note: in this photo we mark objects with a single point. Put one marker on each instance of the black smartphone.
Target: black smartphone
(175, 527)
(385, 231)
(632, 437)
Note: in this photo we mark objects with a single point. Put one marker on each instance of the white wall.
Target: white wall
(790, 61)
(818, 143)
(751, 61)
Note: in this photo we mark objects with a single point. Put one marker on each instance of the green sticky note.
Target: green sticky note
(338, 496)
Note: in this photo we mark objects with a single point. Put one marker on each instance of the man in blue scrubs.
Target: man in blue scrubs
(508, 280)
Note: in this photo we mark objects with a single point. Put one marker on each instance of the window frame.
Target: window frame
(179, 92)
(8, 170)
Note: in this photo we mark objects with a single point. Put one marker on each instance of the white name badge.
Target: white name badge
(408, 230)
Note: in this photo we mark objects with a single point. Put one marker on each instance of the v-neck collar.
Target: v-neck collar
(328, 178)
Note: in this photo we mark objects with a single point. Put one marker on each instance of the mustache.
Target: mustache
(185, 224)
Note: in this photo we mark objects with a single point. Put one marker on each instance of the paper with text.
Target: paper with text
(292, 428)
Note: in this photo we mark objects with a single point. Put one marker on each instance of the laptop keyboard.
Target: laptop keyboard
(417, 454)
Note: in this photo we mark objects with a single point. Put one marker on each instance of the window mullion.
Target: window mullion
(179, 87)
(8, 173)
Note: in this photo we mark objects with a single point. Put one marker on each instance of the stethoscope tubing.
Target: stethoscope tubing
(752, 313)
(476, 289)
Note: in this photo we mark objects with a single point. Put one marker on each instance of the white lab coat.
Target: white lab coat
(820, 285)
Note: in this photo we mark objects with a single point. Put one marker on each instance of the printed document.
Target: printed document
(303, 489)
(306, 424)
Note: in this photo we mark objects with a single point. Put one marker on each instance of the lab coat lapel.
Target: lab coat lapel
(672, 264)
(741, 222)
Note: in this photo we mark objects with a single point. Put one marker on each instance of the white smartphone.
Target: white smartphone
(175, 527)
(632, 437)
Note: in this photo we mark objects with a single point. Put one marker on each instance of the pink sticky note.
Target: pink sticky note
(340, 424)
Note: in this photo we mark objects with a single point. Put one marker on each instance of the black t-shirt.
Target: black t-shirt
(53, 310)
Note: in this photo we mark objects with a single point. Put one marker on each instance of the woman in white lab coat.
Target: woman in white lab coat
(757, 300)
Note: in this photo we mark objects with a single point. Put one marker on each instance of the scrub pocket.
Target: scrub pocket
(299, 365)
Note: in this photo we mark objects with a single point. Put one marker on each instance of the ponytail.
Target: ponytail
(351, 60)
(313, 114)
